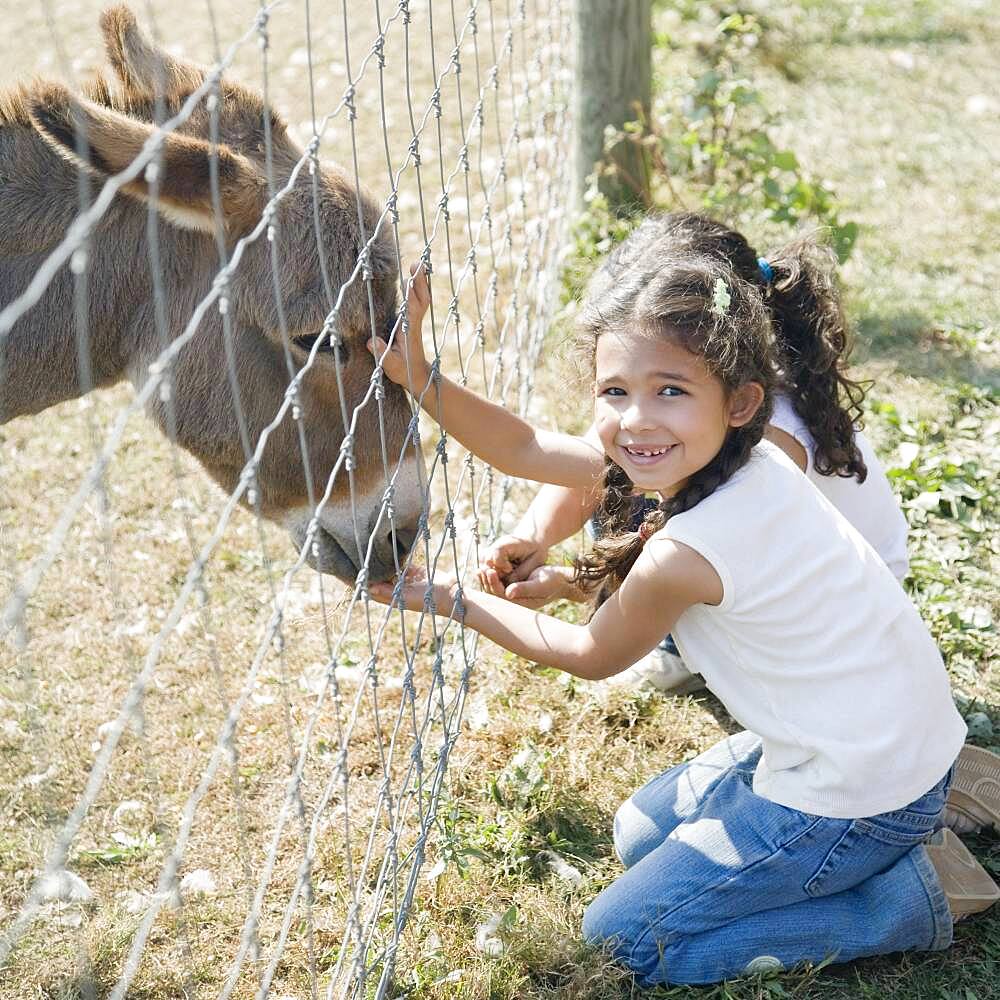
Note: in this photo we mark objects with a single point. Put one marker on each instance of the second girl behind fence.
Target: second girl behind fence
(806, 836)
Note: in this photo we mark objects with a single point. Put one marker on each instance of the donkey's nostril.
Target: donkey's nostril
(405, 537)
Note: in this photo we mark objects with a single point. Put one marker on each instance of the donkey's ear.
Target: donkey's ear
(145, 70)
(109, 142)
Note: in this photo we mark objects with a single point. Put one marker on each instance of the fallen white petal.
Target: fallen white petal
(313, 679)
(200, 881)
(11, 729)
(437, 871)
(130, 807)
(136, 902)
(902, 59)
(980, 104)
(493, 947)
(562, 869)
(33, 780)
(908, 451)
(64, 887)
(69, 918)
(478, 714)
(486, 936)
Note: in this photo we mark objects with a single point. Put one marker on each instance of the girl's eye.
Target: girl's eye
(613, 390)
(671, 390)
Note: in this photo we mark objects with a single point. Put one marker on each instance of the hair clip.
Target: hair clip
(646, 531)
(766, 271)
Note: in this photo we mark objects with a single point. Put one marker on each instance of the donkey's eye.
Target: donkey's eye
(306, 342)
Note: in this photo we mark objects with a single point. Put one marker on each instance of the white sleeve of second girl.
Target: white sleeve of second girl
(871, 506)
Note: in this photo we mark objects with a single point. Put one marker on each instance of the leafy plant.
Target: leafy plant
(122, 848)
(945, 477)
(709, 145)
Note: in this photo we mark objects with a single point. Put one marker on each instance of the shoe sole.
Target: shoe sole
(964, 881)
(686, 686)
(975, 786)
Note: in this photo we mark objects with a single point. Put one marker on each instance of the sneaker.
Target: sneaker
(974, 796)
(960, 822)
(661, 670)
(966, 884)
(763, 965)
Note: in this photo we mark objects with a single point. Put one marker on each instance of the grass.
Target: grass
(911, 160)
(542, 761)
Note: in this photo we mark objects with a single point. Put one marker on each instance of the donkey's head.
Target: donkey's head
(327, 266)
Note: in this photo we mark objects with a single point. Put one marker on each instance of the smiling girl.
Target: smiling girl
(805, 836)
(814, 421)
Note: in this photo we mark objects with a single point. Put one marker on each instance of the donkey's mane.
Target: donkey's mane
(15, 100)
(14, 104)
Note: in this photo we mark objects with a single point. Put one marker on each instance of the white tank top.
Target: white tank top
(815, 647)
(870, 506)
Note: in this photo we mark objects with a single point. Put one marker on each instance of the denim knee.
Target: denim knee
(611, 922)
(605, 922)
(635, 834)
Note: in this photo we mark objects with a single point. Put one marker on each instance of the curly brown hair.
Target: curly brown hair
(701, 303)
(813, 339)
(786, 331)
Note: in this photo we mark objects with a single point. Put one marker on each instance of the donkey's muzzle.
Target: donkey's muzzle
(383, 552)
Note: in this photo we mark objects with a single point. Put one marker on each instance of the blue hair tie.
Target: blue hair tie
(766, 271)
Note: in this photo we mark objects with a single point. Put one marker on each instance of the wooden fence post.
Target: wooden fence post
(613, 66)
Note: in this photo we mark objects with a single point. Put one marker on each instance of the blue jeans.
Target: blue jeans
(717, 876)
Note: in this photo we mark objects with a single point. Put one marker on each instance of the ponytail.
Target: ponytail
(813, 341)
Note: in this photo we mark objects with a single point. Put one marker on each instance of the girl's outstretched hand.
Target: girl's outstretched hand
(412, 591)
(404, 361)
(508, 560)
(542, 586)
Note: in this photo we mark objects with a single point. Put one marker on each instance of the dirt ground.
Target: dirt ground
(370, 757)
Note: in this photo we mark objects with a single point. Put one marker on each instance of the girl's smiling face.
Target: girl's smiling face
(660, 413)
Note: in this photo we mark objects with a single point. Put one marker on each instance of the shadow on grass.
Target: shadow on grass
(925, 348)
(571, 826)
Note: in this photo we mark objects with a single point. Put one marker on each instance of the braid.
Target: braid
(605, 567)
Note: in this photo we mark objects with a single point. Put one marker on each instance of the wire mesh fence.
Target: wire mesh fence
(222, 763)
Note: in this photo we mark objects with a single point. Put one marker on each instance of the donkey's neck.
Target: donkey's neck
(40, 359)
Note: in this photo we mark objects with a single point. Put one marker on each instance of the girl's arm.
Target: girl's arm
(492, 432)
(557, 511)
(515, 560)
(667, 578)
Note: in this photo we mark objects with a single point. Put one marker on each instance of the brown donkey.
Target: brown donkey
(39, 364)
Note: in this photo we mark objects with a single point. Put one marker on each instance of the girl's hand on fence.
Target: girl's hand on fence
(411, 592)
(404, 361)
(508, 560)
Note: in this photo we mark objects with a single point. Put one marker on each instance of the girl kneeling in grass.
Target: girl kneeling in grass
(805, 837)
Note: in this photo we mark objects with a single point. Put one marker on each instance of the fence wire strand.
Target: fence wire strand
(465, 154)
